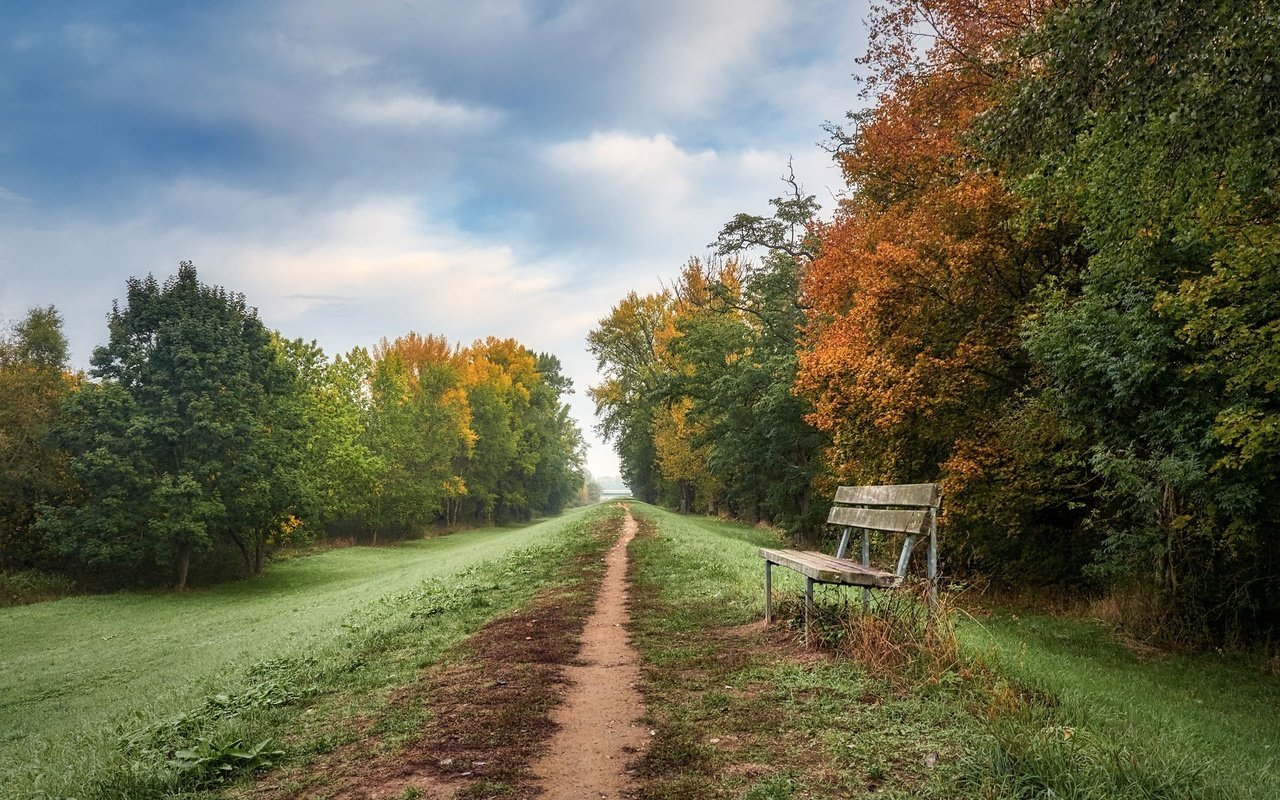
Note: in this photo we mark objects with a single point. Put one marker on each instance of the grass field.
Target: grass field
(77, 674)
(150, 695)
(1209, 721)
(1037, 707)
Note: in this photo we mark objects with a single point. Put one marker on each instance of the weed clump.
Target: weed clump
(22, 587)
(897, 635)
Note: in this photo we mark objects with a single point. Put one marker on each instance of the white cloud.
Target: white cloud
(628, 162)
(407, 109)
(645, 201)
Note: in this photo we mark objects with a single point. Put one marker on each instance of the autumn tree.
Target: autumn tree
(419, 424)
(625, 345)
(913, 355)
(34, 382)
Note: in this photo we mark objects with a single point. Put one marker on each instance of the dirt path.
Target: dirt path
(597, 730)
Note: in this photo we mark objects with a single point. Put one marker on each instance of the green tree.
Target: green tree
(194, 435)
(767, 453)
(625, 345)
(1153, 128)
(339, 469)
(555, 439)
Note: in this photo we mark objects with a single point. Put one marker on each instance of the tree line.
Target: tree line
(202, 440)
(1052, 283)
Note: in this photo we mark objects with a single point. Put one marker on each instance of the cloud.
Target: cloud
(644, 203)
(507, 167)
(10, 196)
(407, 109)
(628, 163)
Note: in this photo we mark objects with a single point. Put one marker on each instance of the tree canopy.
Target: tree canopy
(1050, 284)
(202, 438)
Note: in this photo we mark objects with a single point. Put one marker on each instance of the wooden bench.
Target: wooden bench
(910, 510)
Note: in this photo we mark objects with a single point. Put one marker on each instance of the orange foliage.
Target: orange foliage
(913, 298)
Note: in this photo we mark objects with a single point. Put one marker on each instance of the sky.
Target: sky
(360, 170)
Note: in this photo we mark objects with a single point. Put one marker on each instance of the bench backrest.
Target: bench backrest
(910, 509)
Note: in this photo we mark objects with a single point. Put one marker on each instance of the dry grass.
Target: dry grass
(897, 636)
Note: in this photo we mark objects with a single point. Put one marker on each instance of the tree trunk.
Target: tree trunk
(244, 554)
(184, 562)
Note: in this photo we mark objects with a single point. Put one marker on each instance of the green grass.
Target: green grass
(1199, 726)
(93, 689)
(1038, 707)
(745, 712)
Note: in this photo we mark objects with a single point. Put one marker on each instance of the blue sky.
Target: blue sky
(359, 170)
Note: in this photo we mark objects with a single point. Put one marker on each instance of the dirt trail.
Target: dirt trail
(597, 730)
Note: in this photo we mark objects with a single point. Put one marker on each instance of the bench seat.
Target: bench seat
(823, 568)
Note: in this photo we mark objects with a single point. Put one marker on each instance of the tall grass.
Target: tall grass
(20, 587)
(1124, 724)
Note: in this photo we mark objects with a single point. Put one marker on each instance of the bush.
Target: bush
(33, 586)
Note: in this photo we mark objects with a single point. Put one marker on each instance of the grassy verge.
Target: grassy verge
(1032, 708)
(470, 723)
(142, 696)
(1123, 723)
(741, 711)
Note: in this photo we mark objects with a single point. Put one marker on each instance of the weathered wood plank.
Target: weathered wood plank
(881, 519)
(826, 569)
(907, 494)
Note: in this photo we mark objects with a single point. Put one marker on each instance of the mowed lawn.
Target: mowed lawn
(76, 664)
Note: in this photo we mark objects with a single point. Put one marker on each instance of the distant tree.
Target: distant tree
(340, 469)
(34, 382)
(419, 426)
(626, 348)
(195, 434)
(555, 439)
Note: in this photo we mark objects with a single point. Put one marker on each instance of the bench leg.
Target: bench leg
(866, 562)
(768, 592)
(808, 607)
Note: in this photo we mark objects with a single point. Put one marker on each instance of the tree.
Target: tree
(1154, 129)
(194, 434)
(625, 345)
(419, 423)
(339, 470)
(555, 439)
(34, 383)
(765, 451)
